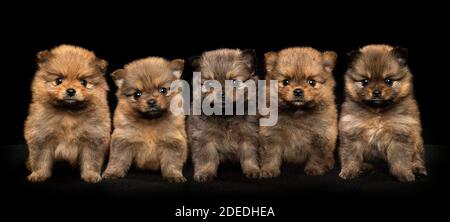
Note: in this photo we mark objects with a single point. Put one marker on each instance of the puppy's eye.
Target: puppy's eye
(365, 82)
(286, 82)
(58, 81)
(137, 94)
(236, 82)
(389, 81)
(163, 90)
(83, 82)
(312, 82)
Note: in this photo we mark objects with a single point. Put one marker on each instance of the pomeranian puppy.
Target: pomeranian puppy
(380, 118)
(217, 138)
(306, 130)
(68, 116)
(146, 132)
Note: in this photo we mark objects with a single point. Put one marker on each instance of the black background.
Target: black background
(122, 34)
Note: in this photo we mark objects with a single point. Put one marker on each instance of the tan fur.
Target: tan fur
(390, 130)
(55, 130)
(152, 141)
(306, 130)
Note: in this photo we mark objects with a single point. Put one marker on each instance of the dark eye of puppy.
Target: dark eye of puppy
(389, 81)
(286, 82)
(163, 90)
(137, 94)
(59, 81)
(312, 82)
(83, 82)
(365, 82)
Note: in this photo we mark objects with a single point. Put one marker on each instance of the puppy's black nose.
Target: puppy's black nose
(152, 103)
(71, 92)
(298, 92)
(376, 93)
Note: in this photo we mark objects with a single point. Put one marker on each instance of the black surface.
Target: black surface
(290, 194)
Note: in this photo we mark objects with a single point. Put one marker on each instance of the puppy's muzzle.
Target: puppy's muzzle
(153, 110)
(152, 103)
(298, 93)
(71, 92)
(376, 94)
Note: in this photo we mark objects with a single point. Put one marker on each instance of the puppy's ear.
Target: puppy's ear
(249, 57)
(401, 54)
(329, 60)
(353, 56)
(43, 57)
(270, 60)
(177, 66)
(195, 63)
(118, 76)
(101, 64)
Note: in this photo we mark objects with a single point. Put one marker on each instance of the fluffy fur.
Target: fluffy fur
(380, 118)
(146, 132)
(215, 138)
(68, 116)
(306, 130)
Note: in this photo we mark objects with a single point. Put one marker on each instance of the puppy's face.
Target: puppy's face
(144, 85)
(225, 64)
(304, 76)
(70, 77)
(378, 76)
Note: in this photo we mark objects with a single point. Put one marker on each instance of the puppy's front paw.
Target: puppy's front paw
(204, 177)
(421, 171)
(111, 175)
(314, 170)
(404, 175)
(349, 173)
(91, 177)
(176, 179)
(38, 176)
(407, 177)
(252, 173)
(269, 173)
(367, 167)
